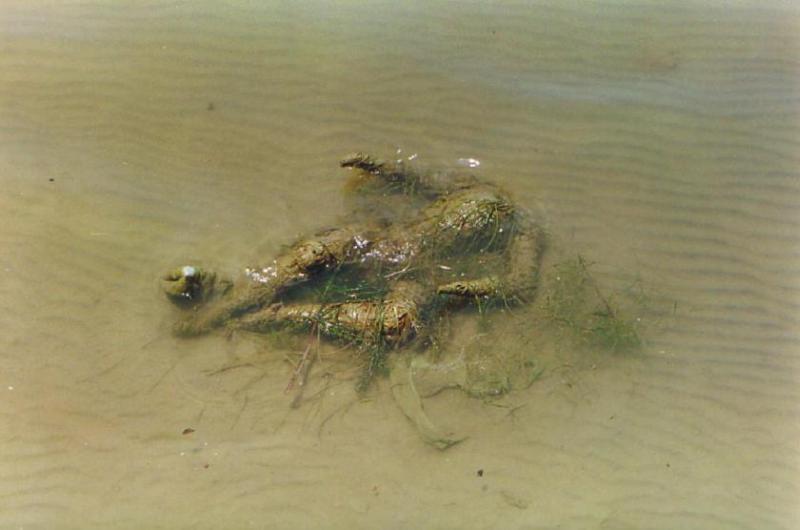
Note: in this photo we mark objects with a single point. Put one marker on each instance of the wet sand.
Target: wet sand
(659, 142)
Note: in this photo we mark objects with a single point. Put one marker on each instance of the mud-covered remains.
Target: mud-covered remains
(467, 243)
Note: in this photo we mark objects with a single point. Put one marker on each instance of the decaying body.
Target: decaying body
(418, 260)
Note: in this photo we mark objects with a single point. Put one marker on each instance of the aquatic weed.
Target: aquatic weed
(575, 304)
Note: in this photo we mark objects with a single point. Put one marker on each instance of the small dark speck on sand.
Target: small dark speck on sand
(51, 179)
(480, 472)
(210, 106)
(187, 430)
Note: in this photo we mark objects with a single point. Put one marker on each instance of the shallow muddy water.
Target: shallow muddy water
(659, 142)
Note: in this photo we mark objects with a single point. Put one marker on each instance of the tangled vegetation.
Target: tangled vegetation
(575, 304)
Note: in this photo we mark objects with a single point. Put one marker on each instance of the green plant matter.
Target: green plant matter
(575, 304)
(374, 365)
(610, 330)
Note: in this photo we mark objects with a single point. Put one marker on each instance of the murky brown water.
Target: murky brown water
(660, 142)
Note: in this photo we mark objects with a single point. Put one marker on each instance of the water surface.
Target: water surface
(660, 142)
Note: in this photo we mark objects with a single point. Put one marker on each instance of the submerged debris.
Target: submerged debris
(377, 286)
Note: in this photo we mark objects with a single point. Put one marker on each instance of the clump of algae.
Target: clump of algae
(574, 304)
